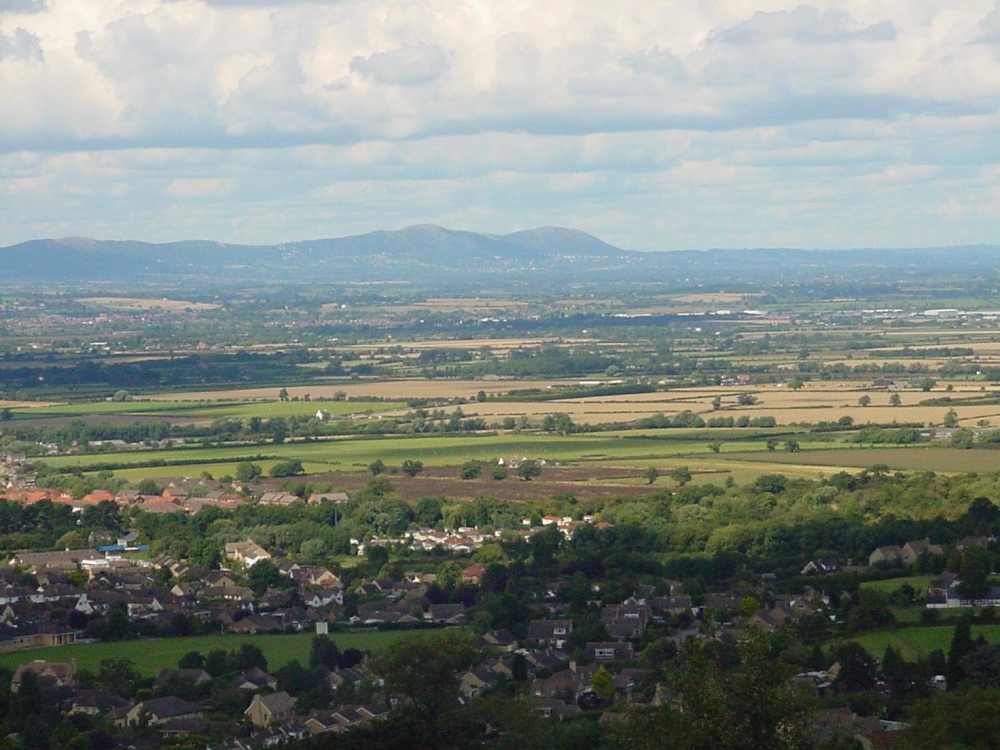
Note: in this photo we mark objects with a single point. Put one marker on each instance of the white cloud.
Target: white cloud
(418, 63)
(197, 188)
(795, 120)
(23, 6)
(20, 45)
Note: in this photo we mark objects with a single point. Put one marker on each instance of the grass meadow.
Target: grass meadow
(151, 654)
(919, 642)
(209, 409)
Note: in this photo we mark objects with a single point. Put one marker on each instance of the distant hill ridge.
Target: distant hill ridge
(430, 252)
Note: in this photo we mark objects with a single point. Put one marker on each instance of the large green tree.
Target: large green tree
(744, 706)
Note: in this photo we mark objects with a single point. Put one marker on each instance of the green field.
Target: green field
(350, 454)
(624, 448)
(919, 642)
(910, 458)
(151, 654)
(889, 585)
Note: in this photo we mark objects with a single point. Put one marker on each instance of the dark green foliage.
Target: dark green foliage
(955, 720)
(470, 469)
(411, 467)
(961, 646)
(739, 702)
(263, 575)
(285, 469)
(858, 668)
(423, 669)
(528, 469)
(248, 472)
(324, 653)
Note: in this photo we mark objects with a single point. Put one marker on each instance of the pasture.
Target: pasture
(352, 454)
(910, 458)
(919, 642)
(889, 585)
(151, 654)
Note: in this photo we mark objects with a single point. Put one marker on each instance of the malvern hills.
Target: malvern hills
(427, 252)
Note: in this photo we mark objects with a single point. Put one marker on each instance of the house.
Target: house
(554, 708)
(322, 720)
(248, 553)
(912, 550)
(550, 632)
(673, 605)
(69, 559)
(824, 566)
(36, 635)
(905, 555)
(254, 678)
(890, 555)
(474, 574)
(58, 672)
(450, 614)
(608, 652)
(473, 681)
(500, 640)
(972, 541)
(265, 710)
(95, 703)
(563, 685)
(165, 676)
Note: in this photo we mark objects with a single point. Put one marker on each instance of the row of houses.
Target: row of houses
(270, 714)
(467, 539)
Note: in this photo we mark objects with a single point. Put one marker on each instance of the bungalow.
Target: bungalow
(160, 710)
(450, 614)
(330, 497)
(278, 498)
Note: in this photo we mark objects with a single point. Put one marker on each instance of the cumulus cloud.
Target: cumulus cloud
(510, 112)
(805, 24)
(418, 63)
(990, 26)
(20, 45)
(23, 6)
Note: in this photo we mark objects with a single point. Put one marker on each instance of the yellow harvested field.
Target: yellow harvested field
(148, 303)
(590, 412)
(26, 404)
(812, 404)
(388, 389)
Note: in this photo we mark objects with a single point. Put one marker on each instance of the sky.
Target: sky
(653, 124)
